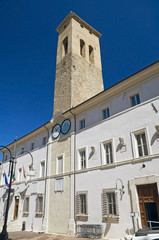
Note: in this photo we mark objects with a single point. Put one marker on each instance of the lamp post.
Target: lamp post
(4, 233)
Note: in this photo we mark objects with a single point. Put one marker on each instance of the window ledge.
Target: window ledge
(111, 219)
(25, 214)
(82, 217)
(38, 215)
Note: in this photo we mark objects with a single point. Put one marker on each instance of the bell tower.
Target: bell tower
(78, 64)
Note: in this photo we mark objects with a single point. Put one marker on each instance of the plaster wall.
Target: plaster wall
(59, 201)
(100, 176)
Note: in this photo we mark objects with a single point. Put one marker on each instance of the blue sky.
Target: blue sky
(28, 42)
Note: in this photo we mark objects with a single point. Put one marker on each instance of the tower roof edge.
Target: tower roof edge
(78, 19)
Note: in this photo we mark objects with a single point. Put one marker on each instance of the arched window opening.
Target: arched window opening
(91, 54)
(82, 48)
(65, 46)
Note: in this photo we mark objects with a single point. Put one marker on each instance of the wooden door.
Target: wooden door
(16, 209)
(149, 203)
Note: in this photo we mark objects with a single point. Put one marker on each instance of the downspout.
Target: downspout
(46, 173)
(74, 172)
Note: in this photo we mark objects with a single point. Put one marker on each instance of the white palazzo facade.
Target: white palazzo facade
(96, 162)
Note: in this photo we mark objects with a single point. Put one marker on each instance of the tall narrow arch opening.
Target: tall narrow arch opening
(91, 54)
(82, 48)
(65, 46)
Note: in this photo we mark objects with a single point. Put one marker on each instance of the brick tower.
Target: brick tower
(78, 64)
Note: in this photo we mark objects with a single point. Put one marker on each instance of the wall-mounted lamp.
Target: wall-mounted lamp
(119, 189)
(157, 128)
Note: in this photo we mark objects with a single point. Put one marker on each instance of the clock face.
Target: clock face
(56, 131)
(65, 126)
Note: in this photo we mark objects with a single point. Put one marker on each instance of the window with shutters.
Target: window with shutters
(26, 206)
(82, 159)
(39, 206)
(110, 211)
(82, 206)
(140, 142)
(108, 154)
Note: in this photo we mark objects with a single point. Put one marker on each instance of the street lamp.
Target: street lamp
(4, 233)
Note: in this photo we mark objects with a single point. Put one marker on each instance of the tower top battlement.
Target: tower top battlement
(79, 20)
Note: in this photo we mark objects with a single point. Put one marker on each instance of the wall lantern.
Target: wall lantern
(157, 128)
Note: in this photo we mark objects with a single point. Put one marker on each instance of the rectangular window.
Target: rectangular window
(6, 157)
(32, 146)
(108, 153)
(135, 100)
(109, 203)
(82, 159)
(44, 141)
(42, 169)
(22, 150)
(39, 204)
(29, 169)
(20, 175)
(141, 144)
(26, 205)
(82, 124)
(59, 164)
(81, 203)
(106, 113)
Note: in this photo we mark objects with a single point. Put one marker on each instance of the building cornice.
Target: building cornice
(29, 135)
(116, 89)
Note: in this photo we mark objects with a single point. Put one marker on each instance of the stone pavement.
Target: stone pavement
(41, 236)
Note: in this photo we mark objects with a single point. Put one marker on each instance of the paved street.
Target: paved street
(40, 236)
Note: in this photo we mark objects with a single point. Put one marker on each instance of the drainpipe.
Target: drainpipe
(74, 171)
(46, 174)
